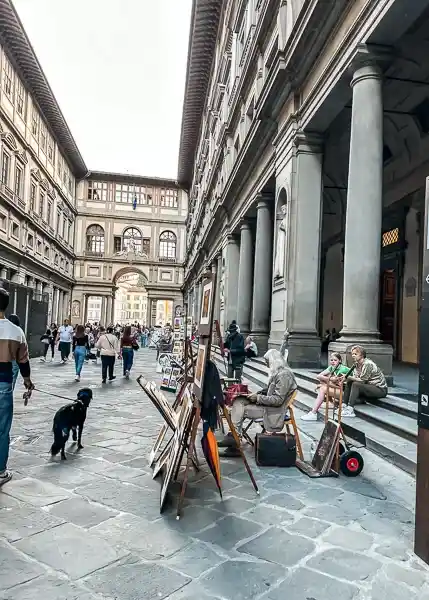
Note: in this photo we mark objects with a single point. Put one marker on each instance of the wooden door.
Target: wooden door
(388, 302)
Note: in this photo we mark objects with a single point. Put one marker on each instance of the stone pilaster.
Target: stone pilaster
(245, 278)
(261, 305)
(232, 261)
(304, 253)
(364, 220)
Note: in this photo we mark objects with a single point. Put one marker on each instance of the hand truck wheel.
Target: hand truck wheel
(351, 463)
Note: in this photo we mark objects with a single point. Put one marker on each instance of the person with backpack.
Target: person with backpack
(46, 340)
(234, 348)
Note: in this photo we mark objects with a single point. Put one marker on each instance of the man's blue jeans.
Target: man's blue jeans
(127, 359)
(6, 416)
(79, 358)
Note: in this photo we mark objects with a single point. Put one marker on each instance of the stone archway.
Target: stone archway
(131, 301)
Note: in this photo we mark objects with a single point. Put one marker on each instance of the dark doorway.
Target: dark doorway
(388, 301)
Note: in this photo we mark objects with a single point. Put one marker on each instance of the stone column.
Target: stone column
(85, 309)
(3, 273)
(263, 273)
(217, 273)
(306, 206)
(66, 307)
(232, 261)
(364, 220)
(109, 310)
(55, 306)
(245, 278)
(103, 311)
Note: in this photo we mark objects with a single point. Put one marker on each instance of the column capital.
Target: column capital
(244, 224)
(370, 58)
(263, 200)
(308, 142)
(231, 238)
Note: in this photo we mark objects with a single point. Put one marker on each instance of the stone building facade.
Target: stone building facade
(40, 164)
(68, 233)
(128, 224)
(304, 149)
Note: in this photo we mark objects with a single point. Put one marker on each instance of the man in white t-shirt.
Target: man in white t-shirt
(65, 336)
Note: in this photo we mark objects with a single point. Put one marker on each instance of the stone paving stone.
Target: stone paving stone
(268, 516)
(246, 491)
(124, 497)
(316, 495)
(123, 473)
(349, 538)
(385, 589)
(151, 541)
(284, 501)
(65, 474)
(415, 579)
(81, 512)
(141, 462)
(70, 549)
(22, 521)
(311, 528)
(194, 518)
(19, 460)
(304, 584)
(392, 511)
(232, 505)
(229, 531)
(242, 580)
(16, 569)
(191, 592)
(35, 492)
(346, 565)
(278, 546)
(48, 588)
(194, 560)
(132, 580)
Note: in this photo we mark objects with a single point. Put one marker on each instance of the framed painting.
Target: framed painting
(200, 367)
(206, 315)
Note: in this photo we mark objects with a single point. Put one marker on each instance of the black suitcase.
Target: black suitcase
(275, 450)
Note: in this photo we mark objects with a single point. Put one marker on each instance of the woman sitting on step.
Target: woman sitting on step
(331, 375)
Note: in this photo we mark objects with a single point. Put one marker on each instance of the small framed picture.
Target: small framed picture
(200, 368)
(206, 307)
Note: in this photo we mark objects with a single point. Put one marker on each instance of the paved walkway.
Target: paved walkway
(90, 528)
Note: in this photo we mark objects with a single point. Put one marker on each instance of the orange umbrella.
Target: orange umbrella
(211, 452)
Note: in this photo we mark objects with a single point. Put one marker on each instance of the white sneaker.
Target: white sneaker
(127, 374)
(43, 359)
(77, 378)
(348, 413)
(311, 416)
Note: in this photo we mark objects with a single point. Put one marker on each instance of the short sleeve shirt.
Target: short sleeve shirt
(338, 370)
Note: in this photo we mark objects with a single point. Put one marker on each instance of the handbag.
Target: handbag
(135, 346)
(275, 450)
(237, 389)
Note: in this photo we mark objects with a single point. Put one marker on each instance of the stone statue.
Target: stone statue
(76, 308)
(279, 263)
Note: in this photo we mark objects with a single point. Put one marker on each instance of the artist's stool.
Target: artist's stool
(289, 422)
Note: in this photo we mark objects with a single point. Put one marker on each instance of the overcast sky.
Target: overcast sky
(117, 69)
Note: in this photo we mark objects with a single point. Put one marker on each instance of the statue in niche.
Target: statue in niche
(279, 263)
(76, 308)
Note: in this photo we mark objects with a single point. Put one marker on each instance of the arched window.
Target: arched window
(167, 245)
(132, 239)
(95, 239)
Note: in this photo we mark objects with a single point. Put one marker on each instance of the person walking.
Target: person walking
(54, 333)
(46, 340)
(127, 351)
(65, 336)
(234, 348)
(15, 368)
(80, 349)
(13, 347)
(108, 344)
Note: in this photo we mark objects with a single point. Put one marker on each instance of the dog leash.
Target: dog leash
(54, 395)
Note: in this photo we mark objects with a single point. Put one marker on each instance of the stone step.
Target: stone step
(389, 434)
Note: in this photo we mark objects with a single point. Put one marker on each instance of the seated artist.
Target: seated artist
(366, 381)
(269, 405)
(331, 375)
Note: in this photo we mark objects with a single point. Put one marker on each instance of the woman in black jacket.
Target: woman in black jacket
(234, 347)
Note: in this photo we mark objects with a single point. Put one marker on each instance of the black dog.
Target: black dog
(70, 417)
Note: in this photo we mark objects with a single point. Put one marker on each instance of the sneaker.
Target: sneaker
(43, 359)
(5, 477)
(112, 378)
(311, 416)
(77, 378)
(127, 375)
(103, 381)
(348, 413)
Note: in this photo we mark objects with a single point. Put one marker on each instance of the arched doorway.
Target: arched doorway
(131, 299)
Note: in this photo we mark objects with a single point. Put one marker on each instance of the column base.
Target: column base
(304, 351)
(261, 340)
(381, 354)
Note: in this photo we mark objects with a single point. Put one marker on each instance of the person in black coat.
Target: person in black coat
(234, 347)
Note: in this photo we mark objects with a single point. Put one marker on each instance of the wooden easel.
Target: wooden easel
(197, 416)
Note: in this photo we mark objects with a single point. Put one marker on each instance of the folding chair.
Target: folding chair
(288, 421)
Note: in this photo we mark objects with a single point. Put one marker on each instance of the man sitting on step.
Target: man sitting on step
(366, 381)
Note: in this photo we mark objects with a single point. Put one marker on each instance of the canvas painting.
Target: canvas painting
(206, 303)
